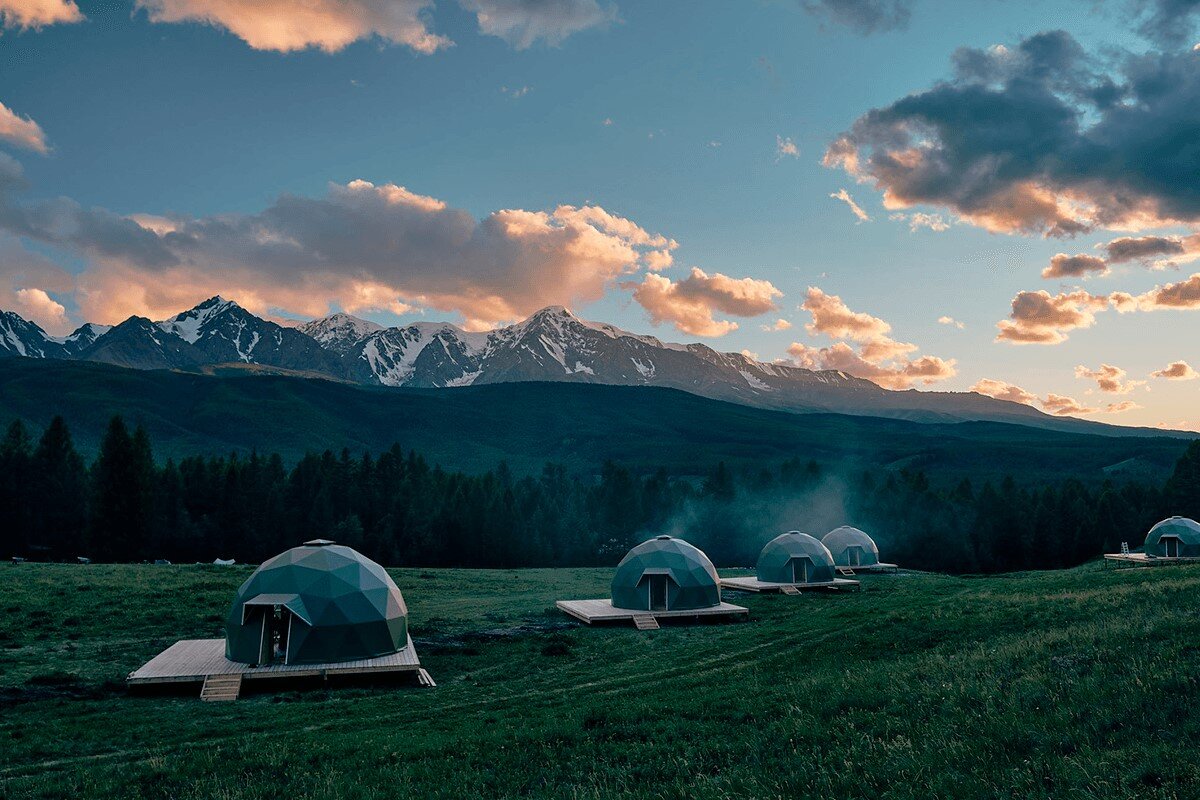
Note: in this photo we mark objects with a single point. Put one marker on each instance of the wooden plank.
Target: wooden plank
(603, 611)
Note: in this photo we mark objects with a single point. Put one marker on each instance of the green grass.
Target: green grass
(1068, 684)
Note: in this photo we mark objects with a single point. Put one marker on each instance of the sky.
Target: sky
(1000, 195)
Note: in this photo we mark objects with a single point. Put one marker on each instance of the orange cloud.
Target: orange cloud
(1056, 404)
(285, 26)
(1062, 406)
(21, 131)
(1004, 391)
(1176, 371)
(1040, 318)
(24, 14)
(901, 374)
(36, 305)
(690, 304)
(1108, 378)
(834, 319)
(854, 207)
(1077, 266)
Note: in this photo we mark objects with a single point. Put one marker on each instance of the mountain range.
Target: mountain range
(552, 345)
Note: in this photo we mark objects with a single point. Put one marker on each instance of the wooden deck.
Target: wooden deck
(1143, 560)
(195, 660)
(880, 567)
(590, 611)
(752, 584)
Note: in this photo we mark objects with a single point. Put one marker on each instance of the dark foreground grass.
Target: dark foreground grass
(1057, 685)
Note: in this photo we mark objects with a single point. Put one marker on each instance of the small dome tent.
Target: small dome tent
(665, 574)
(851, 547)
(1176, 537)
(795, 557)
(318, 603)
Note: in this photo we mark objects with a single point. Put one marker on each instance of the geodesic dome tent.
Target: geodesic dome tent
(851, 547)
(1176, 537)
(665, 574)
(795, 557)
(318, 603)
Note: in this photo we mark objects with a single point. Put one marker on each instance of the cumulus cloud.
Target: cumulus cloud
(522, 23)
(1042, 318)
(1176, 371)
(863, 16)
(692, 303)
(1168, 22)
(285, 26)
(785, 147)
(778, 325)
(1077, 266)
(21, 131)
(1118, 408)
(951, 321)
(917, 220)
(1154, 252)
(1108, 378)
(25, 14)
(879, 357)
(1063, 406)
(361, 246)
(1039, 138)
(35, 304)
(855, 208)
(1004, 391)
(1181, 296)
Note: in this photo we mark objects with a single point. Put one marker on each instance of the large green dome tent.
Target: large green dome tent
(665, 574)
(795, 557)
(1175, 537)
(851, 547)
(318, 603)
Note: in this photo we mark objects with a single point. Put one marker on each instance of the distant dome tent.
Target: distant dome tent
(854, 549)
(661, 577)
(318, 603)
(795, 557)
(1175, 537)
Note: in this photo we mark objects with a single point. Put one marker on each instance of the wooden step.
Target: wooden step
(787, 588)
(645, 622)
(218, 688)
(846, 571)
(425, 679)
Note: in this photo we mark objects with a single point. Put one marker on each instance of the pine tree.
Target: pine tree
(59, 488)
(16, 506)
(122, 494)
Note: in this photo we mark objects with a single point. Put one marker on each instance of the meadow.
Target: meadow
(1067, 684)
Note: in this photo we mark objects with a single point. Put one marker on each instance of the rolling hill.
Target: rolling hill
(527, 424)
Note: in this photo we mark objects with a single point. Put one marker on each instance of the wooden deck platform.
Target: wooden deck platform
(590, 611)
(880, 567)
(1143, 560)
(752, 584)
(196, 660)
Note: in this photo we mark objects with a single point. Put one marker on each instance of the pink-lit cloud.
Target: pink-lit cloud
(1041, 318)
(1108, 378)
(854, 207)
(1176, 371)
(21, 131)
(24, 14)
(691, 304)
(1076, 266)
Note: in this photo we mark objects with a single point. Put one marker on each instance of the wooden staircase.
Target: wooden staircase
(221, 688)
(425, 679)
(845, 572)
(787, 588)
(645, 622)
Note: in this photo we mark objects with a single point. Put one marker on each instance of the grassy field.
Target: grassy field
(1060, 684)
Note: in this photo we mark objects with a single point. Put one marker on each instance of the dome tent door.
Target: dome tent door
(802, 569)
(272, 616)
(1170, 546)
(657, 585)
(854, 556)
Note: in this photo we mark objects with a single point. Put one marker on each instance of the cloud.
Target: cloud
(522, 23)
(1176, 371)
(690, 304)
(21, 131)
(25, 14)
(918, 220)
(1039, 138)
(285, 26)
(879, 357)
(1168, 22)
(1181, 296)
(1077, 266)
(785, 147)
(863, 16)
(1040, 318)
(1063, 406)
(1056, 404)
(1004, 391)
(778, 325)
(34, 304)
(361, 246)
(855, 209)
(1108, 378)
(945, 320)
(1155, 252)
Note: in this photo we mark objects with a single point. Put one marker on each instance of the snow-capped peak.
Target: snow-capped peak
(188, 325)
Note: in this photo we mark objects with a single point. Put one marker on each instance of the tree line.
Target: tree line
(403, 511)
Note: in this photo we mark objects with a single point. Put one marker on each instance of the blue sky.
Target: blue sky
(192, 122)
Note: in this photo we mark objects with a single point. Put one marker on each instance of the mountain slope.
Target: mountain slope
(529, 423)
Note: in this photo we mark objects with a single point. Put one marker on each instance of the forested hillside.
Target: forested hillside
(406, 512)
